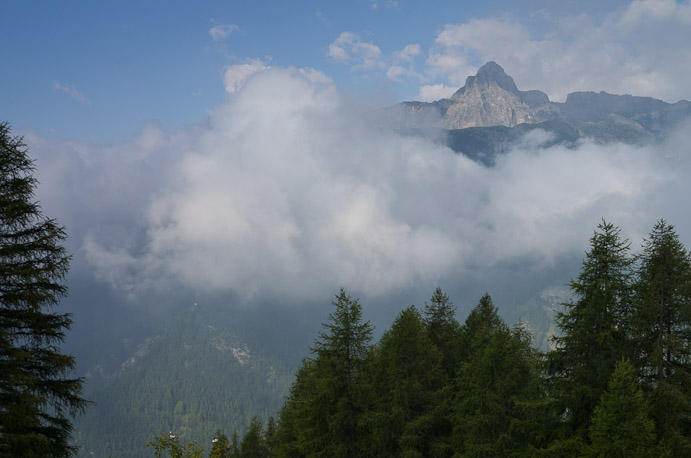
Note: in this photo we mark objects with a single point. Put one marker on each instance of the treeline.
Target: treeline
(617, 382)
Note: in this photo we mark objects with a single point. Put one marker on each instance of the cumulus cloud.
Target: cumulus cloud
(638, 50)
(222, 31)
(236, 75)
(285, 193)
(432, 92)
(71, 91)
(350, 49)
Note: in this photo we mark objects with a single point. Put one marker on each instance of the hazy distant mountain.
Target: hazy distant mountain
(491, 99)
(203, 368)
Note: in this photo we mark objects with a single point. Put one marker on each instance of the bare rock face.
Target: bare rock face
(491, 98)
(490, 102)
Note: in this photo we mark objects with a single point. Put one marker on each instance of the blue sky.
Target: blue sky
(100, 70)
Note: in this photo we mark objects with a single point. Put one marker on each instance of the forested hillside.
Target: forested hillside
(617, 383)
(196, 374)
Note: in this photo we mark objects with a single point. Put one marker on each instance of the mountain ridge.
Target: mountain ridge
(491, 98)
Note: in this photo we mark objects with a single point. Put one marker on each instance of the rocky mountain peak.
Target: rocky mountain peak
(489, 74)
(491, 98)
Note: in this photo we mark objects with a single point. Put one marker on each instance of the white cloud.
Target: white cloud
(350, 50)
(361, 55)
(222, 31)
(638, 50)
(433, 92)
(284, 193)
(71, 91)
(236, 75)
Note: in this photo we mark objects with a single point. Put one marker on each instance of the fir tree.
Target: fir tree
(37, 396)
(220, 446)
(495, 384)
(253, 444)
(621, 425)
(593, 329)
(321, 417)
(443, 329)
(478, 327)
(663, 333)
(407, 381)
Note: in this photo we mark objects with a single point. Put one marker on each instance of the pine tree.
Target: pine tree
(621, 425)
(663, 333)
(406, 383)
(37, 396)
(593, 329)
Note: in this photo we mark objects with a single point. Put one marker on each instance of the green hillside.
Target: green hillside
(194, 376)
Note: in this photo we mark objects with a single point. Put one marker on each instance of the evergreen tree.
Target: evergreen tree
(477, 329)
(593, 329)
(495, 385)
(37, 396)
(621, 425)
(321, 416)
(253, 444)
(168, 445)
(663, 333)
(220, 446)
(235, 446)
(406, 383)
(288, 437)
(270, 436)
(443, 329)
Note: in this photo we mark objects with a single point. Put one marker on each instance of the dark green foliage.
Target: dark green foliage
(253, 443)
(168, 445)
(434, 388)
(593, 328)
(36, 395)
(406, 382)
(478, 328)
(195, 375)
(663, 333)
(621, 425)
(235, 446)
(496, 383)
(443, 329)
(321, 415)
(220, 446)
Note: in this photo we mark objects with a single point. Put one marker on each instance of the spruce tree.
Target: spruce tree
(663, 333)
(621, 425)
(37, 394)
(495, 384)
(253, 443)
(406, 386)
(478, 327)
(593, 330)
(323, 412)
(220, 446)
(443, 329)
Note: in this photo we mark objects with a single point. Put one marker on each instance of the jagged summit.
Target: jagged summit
(490, 98)
(490, 73)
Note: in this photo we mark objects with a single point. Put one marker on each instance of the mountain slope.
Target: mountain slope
(196, 374)
(491, 98)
